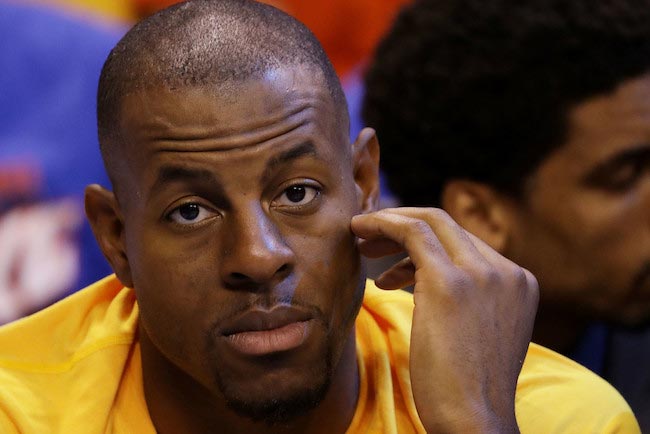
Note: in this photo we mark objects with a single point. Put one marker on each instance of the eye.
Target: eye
(190, 213)
(624, 177)
(618, 177)
(297, 195)
(623, 172)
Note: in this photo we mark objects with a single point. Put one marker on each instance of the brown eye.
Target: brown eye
(190, 213)
(297, 195)
(617, 177)
(621, 172)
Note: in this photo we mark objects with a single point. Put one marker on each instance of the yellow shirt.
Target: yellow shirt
(75, 368)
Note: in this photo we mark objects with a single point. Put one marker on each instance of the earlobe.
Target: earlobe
(480, 210)
(103, 213)
(365, 156)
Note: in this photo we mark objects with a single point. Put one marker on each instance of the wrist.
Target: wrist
(470, 421)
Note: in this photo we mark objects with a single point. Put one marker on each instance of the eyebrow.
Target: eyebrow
(637, 153)
(302, 150)
(171, 173)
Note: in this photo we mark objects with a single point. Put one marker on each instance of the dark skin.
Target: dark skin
(582, 224)
(593, 251)
(236, 204)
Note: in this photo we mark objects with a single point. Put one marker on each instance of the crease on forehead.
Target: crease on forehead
(228, 117)
(301, 97)
(229, 137)
(607, 124)
(628, 100)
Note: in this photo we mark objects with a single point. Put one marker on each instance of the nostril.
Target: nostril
(284, 268)
(238, 276)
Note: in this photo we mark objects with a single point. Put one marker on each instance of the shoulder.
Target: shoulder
(383, 326)
(102, 312)
(392, 305)
(57, 355)
(560, 395)
(554, 393)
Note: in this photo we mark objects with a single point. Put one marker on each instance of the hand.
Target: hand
(473, 317)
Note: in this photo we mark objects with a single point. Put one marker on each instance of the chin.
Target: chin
(280, 410)
(635, 316)
(278, 398)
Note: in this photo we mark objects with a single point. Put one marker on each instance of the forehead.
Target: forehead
(231, 114)
(609, 124)
(236, 124)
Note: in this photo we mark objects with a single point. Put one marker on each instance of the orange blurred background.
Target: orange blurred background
(348, 29)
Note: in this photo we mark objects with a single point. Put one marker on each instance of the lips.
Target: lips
(261, 332)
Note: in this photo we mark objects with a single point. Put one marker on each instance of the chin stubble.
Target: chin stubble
(281, 410)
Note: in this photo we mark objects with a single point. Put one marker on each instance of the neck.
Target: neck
(179, 403)
(558, 329)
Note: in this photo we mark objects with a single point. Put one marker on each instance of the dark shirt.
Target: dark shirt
(622, 357)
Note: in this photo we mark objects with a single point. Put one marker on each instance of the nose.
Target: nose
(254, 254)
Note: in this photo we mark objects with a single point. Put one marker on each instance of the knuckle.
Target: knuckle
(457, 282)
(532, 280)
(449, 289)
(485, 275)
(526, 284)
(420, 227)
(519, 277)
(440, 215)
(491, 277)
(533, 285)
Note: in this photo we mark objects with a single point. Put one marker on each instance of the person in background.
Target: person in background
(47, 130)
(529, 123)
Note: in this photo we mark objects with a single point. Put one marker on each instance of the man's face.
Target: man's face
(584, 227)
(237, 204)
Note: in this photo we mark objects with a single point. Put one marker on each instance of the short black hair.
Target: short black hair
(205, 42)
(481, 89)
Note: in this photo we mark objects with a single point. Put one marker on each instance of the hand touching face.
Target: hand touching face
(473, 318)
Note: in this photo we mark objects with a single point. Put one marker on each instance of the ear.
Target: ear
(107, 223)
(479, 209)
(365, 157)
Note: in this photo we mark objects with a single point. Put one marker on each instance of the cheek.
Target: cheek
(162, 261)
(178, 307)
(610, 227)
(329, 264)
(588, 220)
(328, 236)
(594, 243)
(170, 276)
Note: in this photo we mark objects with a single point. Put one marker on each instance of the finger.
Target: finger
(398, 276)
(491, 255)
(533, 287)
(414, 235)
(455, 240)
(531, 279)
(495, 259)
(379, 248)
